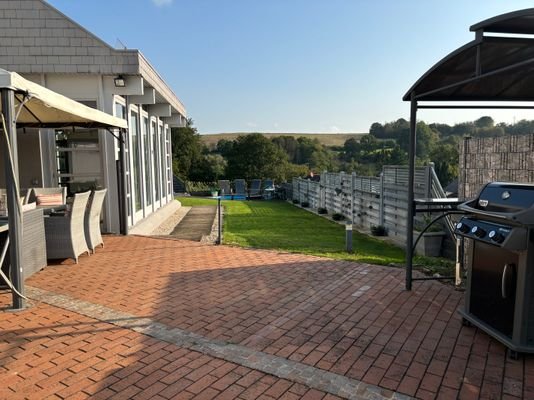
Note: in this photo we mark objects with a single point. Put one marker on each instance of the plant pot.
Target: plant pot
(430, 244)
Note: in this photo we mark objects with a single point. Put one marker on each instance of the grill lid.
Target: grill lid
(505, 197)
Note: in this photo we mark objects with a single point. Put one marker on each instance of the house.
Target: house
(48, 48)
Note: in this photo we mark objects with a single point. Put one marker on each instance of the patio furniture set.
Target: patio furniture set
(54, 226)
(240, 192)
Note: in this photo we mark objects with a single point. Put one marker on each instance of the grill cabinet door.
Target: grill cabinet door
(488, 286)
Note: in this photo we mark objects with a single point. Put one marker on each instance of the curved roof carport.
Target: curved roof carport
(490, 72)
(27, 104)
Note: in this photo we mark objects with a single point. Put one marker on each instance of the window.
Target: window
(136, 158)
(148, 161)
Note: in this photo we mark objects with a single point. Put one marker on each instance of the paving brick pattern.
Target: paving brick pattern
(349, 319)
(48, 352)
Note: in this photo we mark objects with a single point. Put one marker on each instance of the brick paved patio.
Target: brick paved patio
(156, 318)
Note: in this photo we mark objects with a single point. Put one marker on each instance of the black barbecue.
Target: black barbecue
(499, 296)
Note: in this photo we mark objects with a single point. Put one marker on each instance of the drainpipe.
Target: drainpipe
(123, 198)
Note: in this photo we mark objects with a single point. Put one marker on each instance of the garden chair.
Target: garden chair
(268, 189)
(240, 192)
(50, 196)
(64, 232)
(93, 236)
(224, 186)
(255, 189)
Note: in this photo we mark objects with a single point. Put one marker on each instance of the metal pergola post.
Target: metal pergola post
(411, 179)
(10, 154)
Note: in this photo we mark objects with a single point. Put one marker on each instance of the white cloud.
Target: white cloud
(161, 3)
(252, 124)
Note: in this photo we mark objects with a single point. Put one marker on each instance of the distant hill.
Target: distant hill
(327, 139)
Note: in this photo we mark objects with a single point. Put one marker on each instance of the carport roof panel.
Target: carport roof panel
(486, 69)
(516, 22)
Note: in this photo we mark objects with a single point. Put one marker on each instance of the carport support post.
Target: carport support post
(411, 179)
(13, 202)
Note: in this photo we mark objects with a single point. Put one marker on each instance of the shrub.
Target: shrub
(322, 210)
(379, 230)
(199, 186)
(305, 204)
(295, 201)
(338, 217)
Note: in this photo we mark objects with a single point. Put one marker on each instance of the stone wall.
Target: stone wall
(507, 158)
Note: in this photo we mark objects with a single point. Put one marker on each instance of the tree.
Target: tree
(446, 162)
(255, 156)
(484, 122)
(224, 147)
(209, 168)
(186, 149)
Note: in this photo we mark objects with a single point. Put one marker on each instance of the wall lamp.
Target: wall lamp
(120, 81)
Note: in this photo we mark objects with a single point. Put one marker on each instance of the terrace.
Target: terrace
(160, 318)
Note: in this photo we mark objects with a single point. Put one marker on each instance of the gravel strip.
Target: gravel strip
(170, 223)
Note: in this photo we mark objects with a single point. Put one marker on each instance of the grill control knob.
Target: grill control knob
(462, 227)
(478, 232)
(496, 236)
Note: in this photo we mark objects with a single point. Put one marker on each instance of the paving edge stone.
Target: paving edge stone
(280, 367)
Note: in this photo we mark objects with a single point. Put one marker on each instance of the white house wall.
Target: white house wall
(41, 43)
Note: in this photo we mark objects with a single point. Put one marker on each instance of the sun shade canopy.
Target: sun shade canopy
(44, 108)
(490, 68)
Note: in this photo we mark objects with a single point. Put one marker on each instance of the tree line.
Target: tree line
(281, 158)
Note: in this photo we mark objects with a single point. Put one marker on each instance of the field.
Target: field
(327, 139)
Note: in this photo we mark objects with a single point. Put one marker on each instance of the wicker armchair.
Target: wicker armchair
(65, 236)
(34, 192)
(93, 236)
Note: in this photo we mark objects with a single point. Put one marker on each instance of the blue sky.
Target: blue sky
(293, 65)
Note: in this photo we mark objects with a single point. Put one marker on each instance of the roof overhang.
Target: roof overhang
(44, 108)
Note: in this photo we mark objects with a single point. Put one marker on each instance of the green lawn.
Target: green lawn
(282, 226)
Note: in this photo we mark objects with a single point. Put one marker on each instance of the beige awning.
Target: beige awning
(44, 108)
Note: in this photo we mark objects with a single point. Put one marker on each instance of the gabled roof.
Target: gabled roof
(490, 68)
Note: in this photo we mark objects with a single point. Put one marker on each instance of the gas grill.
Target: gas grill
(499, 297)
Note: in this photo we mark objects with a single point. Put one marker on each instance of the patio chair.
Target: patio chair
(48, 196)
(240, 192)
(93, 236)
(65, 234)
(224, 186)
(24, 196)
(268, 189)
(254, 191)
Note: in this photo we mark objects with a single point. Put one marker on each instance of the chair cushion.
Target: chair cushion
(55, 199)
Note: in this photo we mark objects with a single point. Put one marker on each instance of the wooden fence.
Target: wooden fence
(370, 201)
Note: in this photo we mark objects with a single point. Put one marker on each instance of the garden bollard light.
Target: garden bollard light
(348, 237)
(219, 228)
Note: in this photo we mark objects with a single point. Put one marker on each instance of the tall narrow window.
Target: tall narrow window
(155, 146)
(163, 162)
(148, 161)
(136, 159)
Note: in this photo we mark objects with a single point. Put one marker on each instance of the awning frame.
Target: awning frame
(64, 112)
